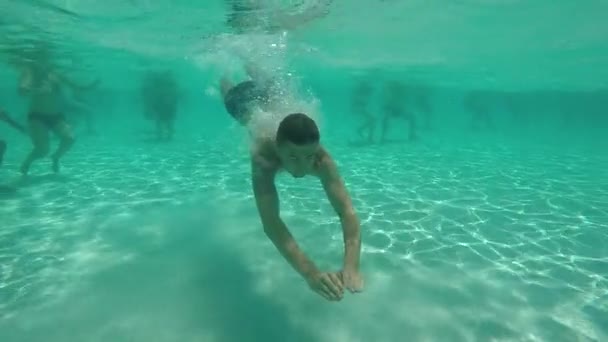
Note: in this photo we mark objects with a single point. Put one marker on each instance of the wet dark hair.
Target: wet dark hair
(298, 129)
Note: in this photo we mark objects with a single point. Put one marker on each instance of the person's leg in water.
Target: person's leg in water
(4, 188)
(16, 125)
(2, 150)
(360, 102)
(390, 112)
(169, 119)
(475, 114)
(394, 106)
(385, 124)
(39, 135)
(369, 122)
(159, 120)
(170, 124)
(368, 126)
(411, 118)
(165, 127)
(159, 127)
(66, 139)
(394, 114)
(424, 108)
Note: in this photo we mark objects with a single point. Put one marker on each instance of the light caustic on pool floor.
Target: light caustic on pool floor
(479, 244)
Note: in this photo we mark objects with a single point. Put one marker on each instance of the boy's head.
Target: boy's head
(297, 143)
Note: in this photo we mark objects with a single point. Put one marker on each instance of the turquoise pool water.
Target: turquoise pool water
(471, 233)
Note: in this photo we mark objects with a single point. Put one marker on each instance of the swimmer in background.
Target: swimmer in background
(6, 118)
(360, 103)
(295, 147)
(395, 107)
(42, 82)
(253, 16)
(81, 103)
(160, 95)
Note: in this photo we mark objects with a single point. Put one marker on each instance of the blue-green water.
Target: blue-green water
(474, 232)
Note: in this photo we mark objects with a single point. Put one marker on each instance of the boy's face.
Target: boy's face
(298, 160)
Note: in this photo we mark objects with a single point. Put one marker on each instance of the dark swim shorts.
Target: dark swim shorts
(240, 100)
